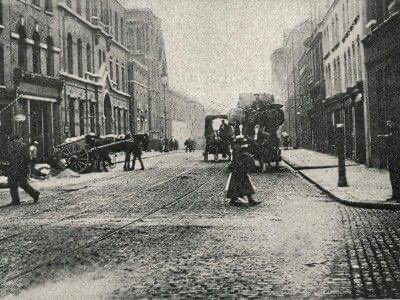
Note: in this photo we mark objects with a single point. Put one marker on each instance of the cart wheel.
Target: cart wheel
(79, 161)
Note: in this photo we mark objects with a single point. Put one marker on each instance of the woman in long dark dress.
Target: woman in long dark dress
(239, 184)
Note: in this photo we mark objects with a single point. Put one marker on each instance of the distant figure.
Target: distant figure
(166, 143)
(392, 140)
(19, 160)
(285, 140)
(176, 145)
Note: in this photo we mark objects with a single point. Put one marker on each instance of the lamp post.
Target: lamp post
(164, 81)
(342, 180)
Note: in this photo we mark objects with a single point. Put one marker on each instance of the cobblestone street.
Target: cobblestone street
(169, 232)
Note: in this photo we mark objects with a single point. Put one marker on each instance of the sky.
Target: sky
(217, 49)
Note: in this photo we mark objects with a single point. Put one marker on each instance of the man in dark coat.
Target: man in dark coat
(239, 184)
(18, 172)
(393, 153)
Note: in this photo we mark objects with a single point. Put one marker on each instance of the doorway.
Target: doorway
(40, 127)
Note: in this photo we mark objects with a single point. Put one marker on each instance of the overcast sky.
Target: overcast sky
(217, 49)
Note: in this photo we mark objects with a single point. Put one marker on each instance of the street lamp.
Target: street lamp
(164, 81)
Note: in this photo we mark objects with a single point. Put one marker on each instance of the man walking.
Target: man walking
(392, 140)
(19, 162)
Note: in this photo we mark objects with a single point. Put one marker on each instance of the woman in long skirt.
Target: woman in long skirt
(239, 184)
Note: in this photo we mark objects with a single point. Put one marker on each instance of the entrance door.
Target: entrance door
(360, 132)
(108, 114)
(40, 127)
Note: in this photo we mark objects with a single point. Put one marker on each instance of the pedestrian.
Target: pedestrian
(239, 183)
(18, 172)
(392, 140)
(33, 149)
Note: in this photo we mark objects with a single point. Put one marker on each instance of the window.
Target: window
(117, 75)
(78, 6)
(138, 39)
(359, 59)
(36, 2)
(36, 53)
(88, 12)
(119, 120)
(48, 5)
(69, 3)
(71, 116)
(70, 55)
(1, 65)
(50, 57)
(346, 83)
(100, 59)
(116, 26)
(101, 12)
(89, 58)
(1, 11)
(111, 70)
(80, 62)
(350, 69)
(123, 79)
(122, 31)
(22, 60)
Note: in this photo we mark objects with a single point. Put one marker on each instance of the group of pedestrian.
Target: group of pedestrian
(21, 160)
(190, 145)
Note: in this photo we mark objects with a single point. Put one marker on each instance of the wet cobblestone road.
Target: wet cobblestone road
(170, 233)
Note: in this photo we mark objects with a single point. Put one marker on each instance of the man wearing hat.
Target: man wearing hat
(392, 140)
(19, 161)
(239, 184)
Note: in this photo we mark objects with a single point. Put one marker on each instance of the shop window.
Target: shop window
(22, 49)
(88, 58)
(70, 56)
(71, 109)
(92, 117)
(50, 56)
(81, 118)
(36, 53)
(48, 5)
(80, 62)
(1, 65)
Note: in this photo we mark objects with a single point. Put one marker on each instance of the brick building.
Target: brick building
(342, 30)
(94, 67)
(146, 45)
(278, 75)
(29, 65)
(382, 60)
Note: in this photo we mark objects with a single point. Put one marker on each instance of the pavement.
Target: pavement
(168, 232)
(367, 187)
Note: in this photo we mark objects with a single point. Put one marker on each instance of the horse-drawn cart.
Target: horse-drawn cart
(82, 153)
(217, 137)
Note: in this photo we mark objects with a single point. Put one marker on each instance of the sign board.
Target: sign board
(20, 118)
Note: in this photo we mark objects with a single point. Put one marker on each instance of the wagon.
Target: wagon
(81, 153)
(215, 144)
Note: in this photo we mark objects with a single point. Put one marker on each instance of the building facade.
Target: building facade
(30, 85)
(294, 49)
(382, 60)
(278, 75)
(342, 32)
(94, 62)
(146, 45)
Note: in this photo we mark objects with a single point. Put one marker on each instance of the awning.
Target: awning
(37, 98)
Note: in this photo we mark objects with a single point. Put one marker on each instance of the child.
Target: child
(239, 183)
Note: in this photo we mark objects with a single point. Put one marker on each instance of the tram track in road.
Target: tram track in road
(77, 192)
(117, 229)
(78, 186)
(111, 203)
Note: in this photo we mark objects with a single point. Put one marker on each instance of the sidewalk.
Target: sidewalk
(367, 187)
